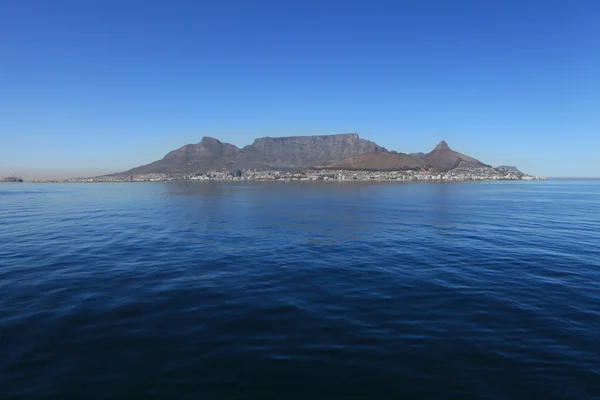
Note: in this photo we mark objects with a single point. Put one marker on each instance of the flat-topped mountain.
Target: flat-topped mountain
(268, 153)
(296, 152)
(444, 159)
(329, 152)
(378, 161)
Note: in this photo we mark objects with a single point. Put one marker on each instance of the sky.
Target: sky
(91, 87)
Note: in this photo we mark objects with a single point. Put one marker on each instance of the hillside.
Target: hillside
(510, 168)
(444, 159)
(280, 153)
(377, 161)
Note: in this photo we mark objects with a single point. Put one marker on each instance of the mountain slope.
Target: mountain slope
(209, 154)
(295, 152)
(444, 159)
(510, 168)
(377, 161)
(282, 153)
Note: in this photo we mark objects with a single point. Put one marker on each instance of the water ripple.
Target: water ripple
(227, 290)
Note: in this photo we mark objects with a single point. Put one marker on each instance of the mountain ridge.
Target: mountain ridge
(284, 153)
(346, 151)
(377, 161)
(509, 168)
(442, 159)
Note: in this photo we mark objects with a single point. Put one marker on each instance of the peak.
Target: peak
(442, 145)
(208, 140)
(352, 136)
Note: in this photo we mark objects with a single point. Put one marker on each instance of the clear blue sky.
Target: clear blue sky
(102, 86)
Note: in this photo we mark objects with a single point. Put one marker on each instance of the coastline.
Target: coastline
(321, 176)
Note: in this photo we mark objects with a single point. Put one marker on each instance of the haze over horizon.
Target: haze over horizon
(92, 88)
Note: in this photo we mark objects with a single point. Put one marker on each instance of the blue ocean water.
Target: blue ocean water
(207, 290)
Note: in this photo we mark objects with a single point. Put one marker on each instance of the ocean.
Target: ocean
(237, 290)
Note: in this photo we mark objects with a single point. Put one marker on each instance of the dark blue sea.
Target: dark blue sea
(207, 290)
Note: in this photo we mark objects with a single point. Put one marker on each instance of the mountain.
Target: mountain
(209, 154)
(443, 158)
(343, 151)
(296, 152)
(279, 153)
(510, 168)
(378, 161)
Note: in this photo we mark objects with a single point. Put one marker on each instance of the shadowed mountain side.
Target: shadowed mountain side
(444, 159)
(209, 154)
(377, 161)
(283, 153)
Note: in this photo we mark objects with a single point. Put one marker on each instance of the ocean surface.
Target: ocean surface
(207, 290)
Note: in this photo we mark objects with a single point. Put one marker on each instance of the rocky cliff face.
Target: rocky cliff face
(282, 153)
(297, 152)
(378, 161)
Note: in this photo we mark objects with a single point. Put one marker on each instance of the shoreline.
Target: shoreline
(454, 175)
(347, 181)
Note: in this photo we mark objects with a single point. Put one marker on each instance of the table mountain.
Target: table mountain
(296, 152)
(278, 153)
(343, 151)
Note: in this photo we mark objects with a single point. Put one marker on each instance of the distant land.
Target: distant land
(280, 153)
(335, 157)
(11, 179)
(442, 163)
(509, 168)
(323, 157)
(377, 161)
(294, 153)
